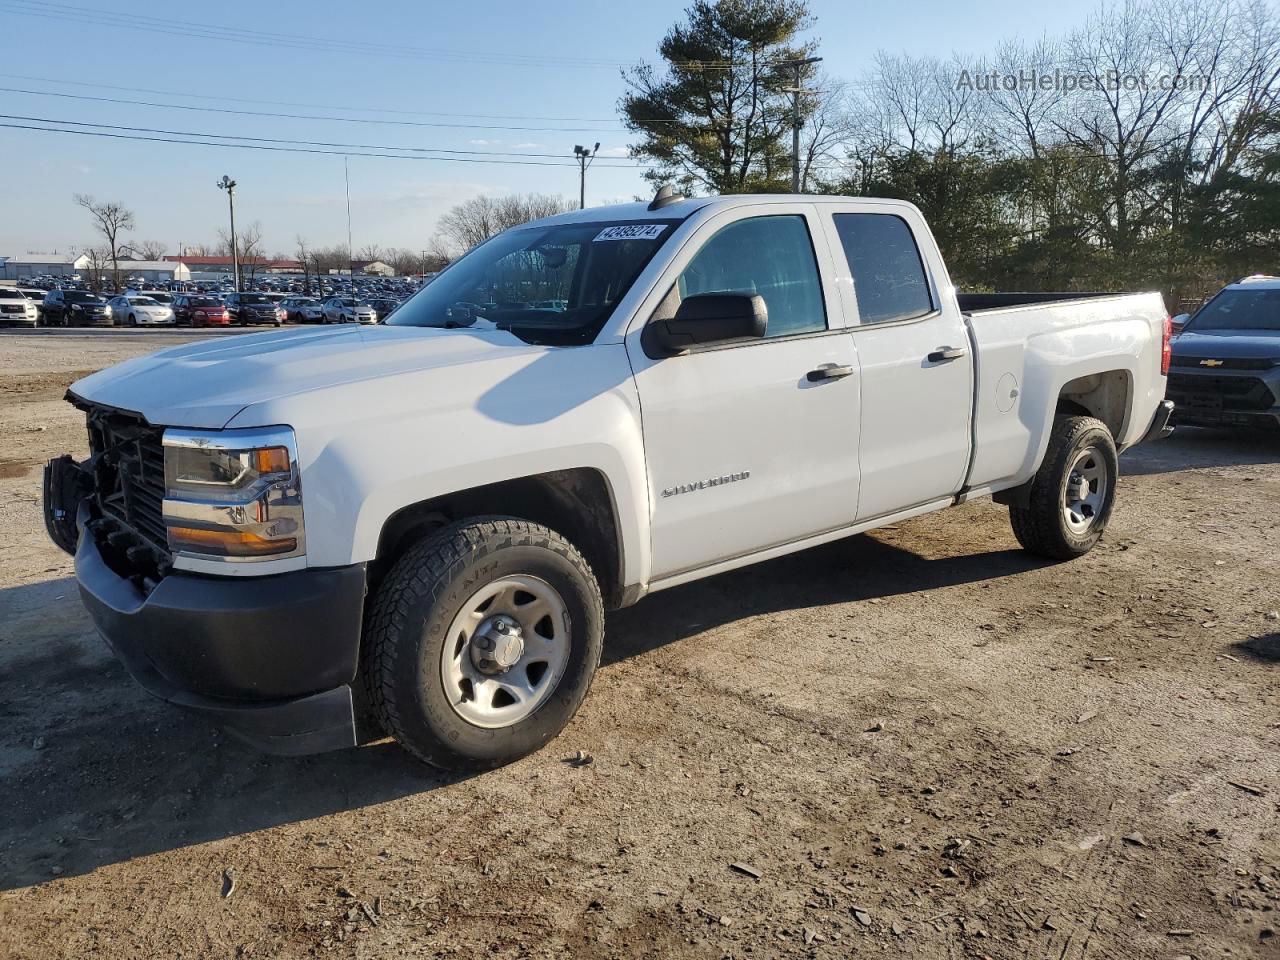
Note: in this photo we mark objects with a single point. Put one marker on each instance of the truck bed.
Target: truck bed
(1034, 351)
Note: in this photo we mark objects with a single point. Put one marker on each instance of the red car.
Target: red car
(199, 311)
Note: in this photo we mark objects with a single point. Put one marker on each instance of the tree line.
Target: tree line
(1140, 150)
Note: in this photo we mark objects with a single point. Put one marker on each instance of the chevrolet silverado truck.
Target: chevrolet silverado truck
(1226, 358)
(319, 537)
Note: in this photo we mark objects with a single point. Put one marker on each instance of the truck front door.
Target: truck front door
(751, 444)
(916, 366)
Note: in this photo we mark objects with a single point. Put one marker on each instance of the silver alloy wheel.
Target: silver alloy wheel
(505, 651)
(1086, 490)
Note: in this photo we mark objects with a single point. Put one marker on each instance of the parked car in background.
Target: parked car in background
(733, 379)
(246, 308)
(16, 308)
(75, 308)
(383, 307)
(159, 296)
(36, 296)
(200, 310)
(348, 310)
(302, 310)
(136, 310)
(1226, 360)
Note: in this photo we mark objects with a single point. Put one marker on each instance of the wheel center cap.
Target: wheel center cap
(497, 645)
(1077, 488)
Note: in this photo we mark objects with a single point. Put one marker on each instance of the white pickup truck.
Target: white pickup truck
(414, 528)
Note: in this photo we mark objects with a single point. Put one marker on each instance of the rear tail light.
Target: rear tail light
(226, 315)
(1166, 347)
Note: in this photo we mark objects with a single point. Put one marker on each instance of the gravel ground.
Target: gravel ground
(919, 742)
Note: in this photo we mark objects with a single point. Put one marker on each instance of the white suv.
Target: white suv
(17, 308)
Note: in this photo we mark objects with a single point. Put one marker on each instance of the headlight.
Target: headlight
(233, 494)
(107, 311)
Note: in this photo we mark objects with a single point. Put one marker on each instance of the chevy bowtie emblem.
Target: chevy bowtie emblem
(1210, 363)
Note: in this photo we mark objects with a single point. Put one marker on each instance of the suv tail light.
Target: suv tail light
(1166, 347)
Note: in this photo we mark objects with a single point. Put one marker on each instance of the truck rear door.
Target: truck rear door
(914, 354)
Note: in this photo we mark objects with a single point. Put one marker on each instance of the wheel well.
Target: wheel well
(575, 503)
(1101, 395)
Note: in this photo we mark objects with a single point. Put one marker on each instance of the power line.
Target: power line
(300, 116)
(205, 31)
(281, 149)
(306, 143)
(222, 98)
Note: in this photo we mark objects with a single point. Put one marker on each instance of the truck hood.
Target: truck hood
(1228, 344)
(203, 385)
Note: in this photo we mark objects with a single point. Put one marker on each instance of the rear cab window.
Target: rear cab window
(889, 278)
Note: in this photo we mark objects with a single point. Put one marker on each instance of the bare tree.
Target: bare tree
(248, 246)
(303, 253)
(99, 258)
(110, 220)
(828, 126)
(371, 252)
(474, 221)
(145, 250)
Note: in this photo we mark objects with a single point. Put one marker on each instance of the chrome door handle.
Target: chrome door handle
(828, 373)
(942, 354)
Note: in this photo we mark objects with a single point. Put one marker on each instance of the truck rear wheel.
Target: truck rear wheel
(1071, 495)
(481, 642)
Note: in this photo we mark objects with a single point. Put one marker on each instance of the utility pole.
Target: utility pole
(229, 185)
(585, 157)
(351, 253)
(795, 92)
(424, 266)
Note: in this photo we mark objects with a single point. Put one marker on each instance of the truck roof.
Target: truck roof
(685, 207)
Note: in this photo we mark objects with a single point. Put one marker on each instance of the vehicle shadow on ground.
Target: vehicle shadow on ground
(1264, 649)
(857, 568)
(1192, 448)
(93, 771)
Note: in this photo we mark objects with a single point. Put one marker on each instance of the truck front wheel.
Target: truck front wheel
(481, 642)
(1072, 493)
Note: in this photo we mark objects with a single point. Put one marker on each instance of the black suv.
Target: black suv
(75, 308)
(1226, 359)
(248, 308)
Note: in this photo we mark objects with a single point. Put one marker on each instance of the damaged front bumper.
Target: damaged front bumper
(272, 659)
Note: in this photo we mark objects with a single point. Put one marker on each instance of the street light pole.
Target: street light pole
(795, 91)
(585, 156)
(229, 185)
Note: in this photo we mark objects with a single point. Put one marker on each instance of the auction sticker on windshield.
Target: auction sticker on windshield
(632, 231)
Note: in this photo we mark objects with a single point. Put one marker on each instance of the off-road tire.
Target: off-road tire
(410, 614)
(1041, 527)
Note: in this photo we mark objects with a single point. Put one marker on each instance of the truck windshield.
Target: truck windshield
(508, 283)
(1239, 310)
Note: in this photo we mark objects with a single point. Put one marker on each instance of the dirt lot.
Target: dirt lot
(919, 742)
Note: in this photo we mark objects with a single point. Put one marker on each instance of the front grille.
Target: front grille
(1234, 393)
(128, 459)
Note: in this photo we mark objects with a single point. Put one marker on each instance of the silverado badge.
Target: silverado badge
(1210, 363)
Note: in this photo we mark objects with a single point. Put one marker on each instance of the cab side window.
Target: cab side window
(888, 275)
(771, 256)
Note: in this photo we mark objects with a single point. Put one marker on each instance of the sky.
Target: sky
(510, 77)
